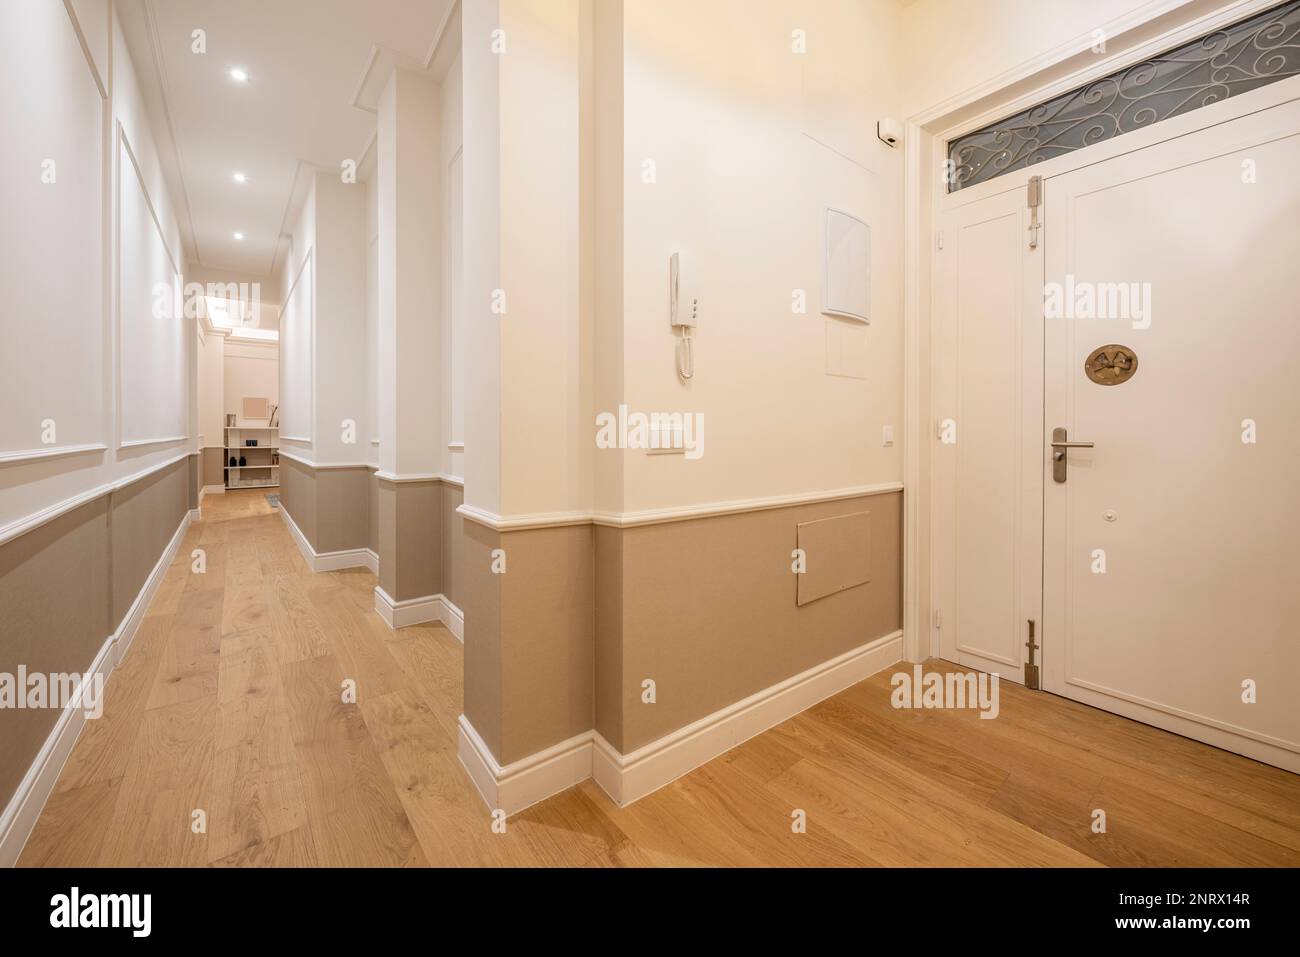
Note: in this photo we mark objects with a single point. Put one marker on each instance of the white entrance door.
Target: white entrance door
(1172, 550)
(988, 400)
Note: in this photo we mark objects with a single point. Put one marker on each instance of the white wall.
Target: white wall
(340, 321)
(410, 276)
(952, 47)
(453, 322)
(541, 421)
(371, 449)
(249, 369)
(751, 142)
(324, 379)
(59, 245)
(211, 379)
(297, 331)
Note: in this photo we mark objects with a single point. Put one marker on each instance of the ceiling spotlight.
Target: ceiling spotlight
(239, 235)
(241, 178)
(238, 75)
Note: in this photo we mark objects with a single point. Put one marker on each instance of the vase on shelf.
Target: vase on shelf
(242, 461)
(233, 463)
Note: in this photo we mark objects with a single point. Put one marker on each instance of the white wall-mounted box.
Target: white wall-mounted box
(847, 279)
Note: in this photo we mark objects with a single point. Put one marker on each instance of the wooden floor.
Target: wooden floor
(229, 703)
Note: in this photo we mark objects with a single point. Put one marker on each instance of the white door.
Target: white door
(1172, 550)
(988, 401)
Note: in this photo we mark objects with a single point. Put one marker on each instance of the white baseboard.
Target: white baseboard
(24, 808)
(630, 777)
(525, 782)
(419, 611)
(211, 490)
(329, 561)
(452, 617)
(196, 514)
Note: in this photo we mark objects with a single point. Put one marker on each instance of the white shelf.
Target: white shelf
(236, 468)
(245, 448)
(255, 485)
(254, 428)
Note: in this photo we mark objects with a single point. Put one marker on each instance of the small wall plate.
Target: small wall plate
(1111, 365)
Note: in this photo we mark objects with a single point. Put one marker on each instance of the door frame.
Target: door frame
(1153, 28)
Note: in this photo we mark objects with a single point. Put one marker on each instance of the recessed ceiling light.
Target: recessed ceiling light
(239, 235)
(241, 178)
(238, 75)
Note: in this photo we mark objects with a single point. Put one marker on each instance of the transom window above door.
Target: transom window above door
(1230, 61)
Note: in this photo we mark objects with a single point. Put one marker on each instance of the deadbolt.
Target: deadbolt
(1111, 365)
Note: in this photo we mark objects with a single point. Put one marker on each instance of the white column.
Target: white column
(410, 269)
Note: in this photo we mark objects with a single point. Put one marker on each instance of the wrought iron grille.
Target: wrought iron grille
(1245, 56)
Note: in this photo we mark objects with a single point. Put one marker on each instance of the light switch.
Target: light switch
(888, 435)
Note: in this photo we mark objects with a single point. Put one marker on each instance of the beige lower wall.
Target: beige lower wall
(192, 476)
(372, 527)
(529, 636)
(144, 518)
(411, 526)
(707, 609)
(417, 559)
(548, 627)
(481, 596)
(65, 588)
(213, 467)
(298, 496)
(342, 509)
(453, 542)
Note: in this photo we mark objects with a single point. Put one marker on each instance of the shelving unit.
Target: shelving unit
(263, 459)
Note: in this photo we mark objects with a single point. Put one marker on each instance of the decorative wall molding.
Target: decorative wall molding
(140, 443)
(124, 147)
(160, 71)
(665, 515)
(416, 478)
(35, 520)
(309, 258)
(322, 466)
(51, 452)
(630, 777)
(24, 808)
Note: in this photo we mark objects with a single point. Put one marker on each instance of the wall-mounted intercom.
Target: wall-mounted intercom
(683, 312)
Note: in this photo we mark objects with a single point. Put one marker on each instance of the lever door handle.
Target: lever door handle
(1060, 443)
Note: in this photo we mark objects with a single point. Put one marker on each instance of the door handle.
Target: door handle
(1060, 444)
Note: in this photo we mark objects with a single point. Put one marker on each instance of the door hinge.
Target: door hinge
(938, 619)
(938, 239)
(1035, 202)
(1031, 666)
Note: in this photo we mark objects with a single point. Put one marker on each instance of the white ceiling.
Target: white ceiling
(308, 62)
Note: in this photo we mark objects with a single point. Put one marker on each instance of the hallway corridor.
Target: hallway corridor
(229, 703)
